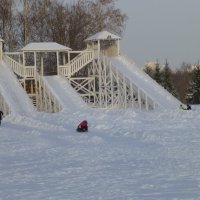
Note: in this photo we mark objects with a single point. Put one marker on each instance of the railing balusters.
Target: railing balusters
(77, 63)
(19, 69)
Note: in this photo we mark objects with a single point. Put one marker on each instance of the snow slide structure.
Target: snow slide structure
(57, 78)
(144, 86)
(13, 98)
(69, 99)
(121, 82)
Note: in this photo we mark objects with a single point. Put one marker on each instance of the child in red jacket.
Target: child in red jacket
(83, 126)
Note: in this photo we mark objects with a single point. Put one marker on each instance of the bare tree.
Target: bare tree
(58, 23)
(23, 23)
(39, 17)
(104, 15)
(26, 22)
(50, 20)
(32, 21)
(7, 23)
(73, 23)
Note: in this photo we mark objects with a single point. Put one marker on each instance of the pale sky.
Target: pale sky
(160, 29)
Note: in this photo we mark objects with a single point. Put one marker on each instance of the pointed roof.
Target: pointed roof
(104, 35)
(45, 46)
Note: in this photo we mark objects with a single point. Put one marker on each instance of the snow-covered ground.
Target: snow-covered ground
(126, 155)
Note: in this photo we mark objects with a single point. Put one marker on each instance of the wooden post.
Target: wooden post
(112, 85)
(35, 60)
(41, 67)
(125, 92)
(24, 72)
(118, 49)
(105, 82)
(1, 49)
(100, 78)
(118, 94)
(63, 57)
(57, 57)
(69, 66)
(99, 48)
(35, 76)
(23, 58)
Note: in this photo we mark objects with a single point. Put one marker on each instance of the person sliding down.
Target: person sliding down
(188, 107)
(181, 107)
(83, 126)
(1, 114)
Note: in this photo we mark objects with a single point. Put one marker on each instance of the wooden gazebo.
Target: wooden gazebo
(104, 42)
(35, 53)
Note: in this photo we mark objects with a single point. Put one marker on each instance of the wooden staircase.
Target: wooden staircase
(76, 64)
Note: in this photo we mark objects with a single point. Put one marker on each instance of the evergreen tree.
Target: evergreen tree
(157, 74)
(167, 80)
(194, 88)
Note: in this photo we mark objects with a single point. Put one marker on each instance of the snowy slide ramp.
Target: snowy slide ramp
(65, 94)
(13, 93)
(144, 82)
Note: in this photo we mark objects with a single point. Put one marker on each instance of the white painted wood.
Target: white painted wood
(103, 86)
(1, 49)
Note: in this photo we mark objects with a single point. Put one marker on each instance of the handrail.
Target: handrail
(13, 53)
(56, 107)
(14, 65)
(19, 69)
(76, 64)
(81, 61)
(120, 73)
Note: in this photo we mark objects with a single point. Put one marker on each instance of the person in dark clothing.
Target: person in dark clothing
(1, 114)
(188, 107)
(83, 126)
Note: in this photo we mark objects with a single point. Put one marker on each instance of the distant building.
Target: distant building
(152, 65)
(192, 67)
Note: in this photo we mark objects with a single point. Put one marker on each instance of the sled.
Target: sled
(82, 129)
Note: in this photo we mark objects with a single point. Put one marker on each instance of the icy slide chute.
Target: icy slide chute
(69, 99)
(13, 93)
(161, 96)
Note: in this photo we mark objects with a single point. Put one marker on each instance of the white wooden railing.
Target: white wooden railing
(30, 71)
(76, 64)
(19, 69)
(143, 98)
(46, 100)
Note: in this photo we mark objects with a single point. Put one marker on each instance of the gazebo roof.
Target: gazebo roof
(104, 35)
(45, 46)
